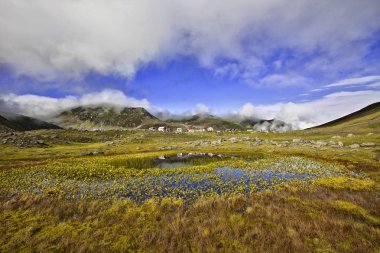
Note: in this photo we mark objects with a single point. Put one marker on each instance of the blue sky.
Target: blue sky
(247, 58)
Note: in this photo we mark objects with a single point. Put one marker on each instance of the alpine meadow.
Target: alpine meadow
(189, 126)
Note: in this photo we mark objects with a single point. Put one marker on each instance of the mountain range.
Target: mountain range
(106, 118)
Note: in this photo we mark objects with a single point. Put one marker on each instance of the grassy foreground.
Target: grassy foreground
(336, 210)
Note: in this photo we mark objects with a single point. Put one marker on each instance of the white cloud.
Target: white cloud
(53, 39)
(316, 90)
(45, 107)
(277, 80)
(248, 110)
(355, 81)
(374, 85)
(202, 109)
(308, 114)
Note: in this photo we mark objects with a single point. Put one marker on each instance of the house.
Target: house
(179, 130)
(210, 129)
(190, 130)
(161, 129)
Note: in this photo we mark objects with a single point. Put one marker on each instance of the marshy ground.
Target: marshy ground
(120, 191)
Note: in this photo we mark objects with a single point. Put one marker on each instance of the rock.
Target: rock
(369, 134)
(354, 146)
(368, 144)
(321, 143)
(336, 137)
(350, 135)
(340, 144)
(217, 142)
(40, 142)
(297, 140)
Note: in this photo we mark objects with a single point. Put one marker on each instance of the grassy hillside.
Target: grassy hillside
(367, 117)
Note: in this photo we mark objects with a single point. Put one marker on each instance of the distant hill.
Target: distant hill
(17, 122)
(206, 120)
(103, 117)
(368, 116)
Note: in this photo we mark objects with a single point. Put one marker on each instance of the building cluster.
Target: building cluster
(181, 130)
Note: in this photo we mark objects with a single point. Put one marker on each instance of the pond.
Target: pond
(174, 177)
(184, 161)
(223, 180)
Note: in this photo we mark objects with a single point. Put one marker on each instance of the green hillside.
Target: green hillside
(368, 117)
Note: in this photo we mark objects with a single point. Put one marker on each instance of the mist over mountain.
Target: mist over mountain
(17, 122)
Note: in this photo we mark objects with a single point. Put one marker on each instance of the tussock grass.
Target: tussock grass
(291, 220)
(354, 184)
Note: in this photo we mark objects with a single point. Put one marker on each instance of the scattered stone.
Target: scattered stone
(336, 137)
(340, 144)
(297, 140)
(368, 144)
(354, 145)
(321, 143)
(350, 135)
(369, 134)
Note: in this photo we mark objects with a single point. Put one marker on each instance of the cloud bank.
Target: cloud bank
(299, 115)
(54, 40)
(42, 107)
(309, 114)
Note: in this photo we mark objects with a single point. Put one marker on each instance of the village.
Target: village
(192, 130)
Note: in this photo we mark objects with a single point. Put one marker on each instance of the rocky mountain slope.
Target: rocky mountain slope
(102, 117)
(206, 120)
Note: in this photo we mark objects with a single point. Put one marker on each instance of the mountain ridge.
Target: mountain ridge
(358, 117)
